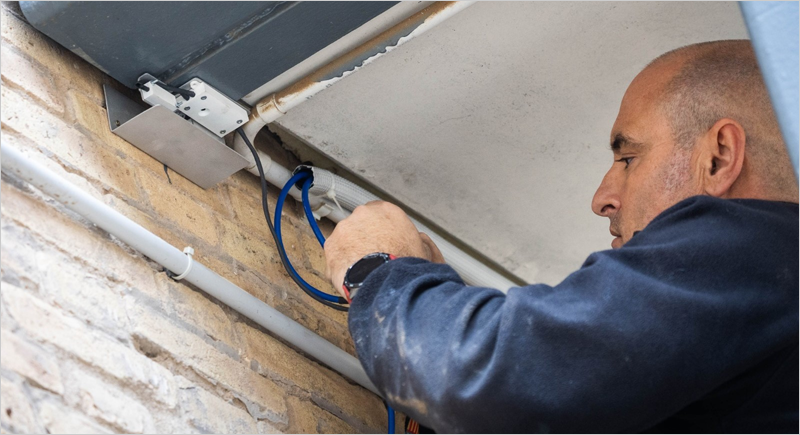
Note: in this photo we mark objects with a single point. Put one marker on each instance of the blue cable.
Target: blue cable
(313, 222)
(278, 208)
(310, 214)
(309, 179)
(391, 418)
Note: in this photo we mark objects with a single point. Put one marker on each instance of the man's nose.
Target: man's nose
(606, 200)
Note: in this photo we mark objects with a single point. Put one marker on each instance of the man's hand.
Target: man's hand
(377, 226)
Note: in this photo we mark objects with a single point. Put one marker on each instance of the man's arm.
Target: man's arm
(631, 338)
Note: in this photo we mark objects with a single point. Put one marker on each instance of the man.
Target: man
(690, 324)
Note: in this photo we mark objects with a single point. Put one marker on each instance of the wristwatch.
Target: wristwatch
(358, 272)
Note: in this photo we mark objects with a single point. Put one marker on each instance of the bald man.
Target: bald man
(690, 322)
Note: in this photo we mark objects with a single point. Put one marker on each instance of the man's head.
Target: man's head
(696, 121)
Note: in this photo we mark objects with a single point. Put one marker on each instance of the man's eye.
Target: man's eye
(626, 160)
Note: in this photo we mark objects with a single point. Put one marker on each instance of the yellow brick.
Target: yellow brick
(23, 74)
(247, 208)
(326, 226)
(248, 211)
(305, 417)
(246, 247)
(68, 70)
(194, 308)
(333, 391)
(92, 118)
(294, 249)
(215, 197)
(320, 324)
(314, 253)
(160, 229)
(246, 181)
(72, 147)
(183, 211)
(234, 273)
(339, 317)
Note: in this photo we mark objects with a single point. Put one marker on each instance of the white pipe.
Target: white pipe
(277, 175)
(142, 240)
(350, 196)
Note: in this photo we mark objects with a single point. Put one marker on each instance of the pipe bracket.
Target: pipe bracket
(189, 251)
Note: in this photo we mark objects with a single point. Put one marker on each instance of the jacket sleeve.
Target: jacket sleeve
(629, 339)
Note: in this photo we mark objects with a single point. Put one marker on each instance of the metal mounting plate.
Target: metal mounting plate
(211, 108)
(186, 148)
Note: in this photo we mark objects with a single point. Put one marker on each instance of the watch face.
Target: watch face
(360, 271)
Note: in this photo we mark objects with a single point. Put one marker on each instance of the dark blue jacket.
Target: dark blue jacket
(692, 326)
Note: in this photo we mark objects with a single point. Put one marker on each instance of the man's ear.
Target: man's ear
(722, 157)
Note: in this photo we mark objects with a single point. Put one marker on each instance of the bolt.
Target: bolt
(203, 97)
(239, 121)
(222, 132)
(186, 108)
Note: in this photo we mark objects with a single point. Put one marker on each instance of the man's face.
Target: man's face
(649, 173)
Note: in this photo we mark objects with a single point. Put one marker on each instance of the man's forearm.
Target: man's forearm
(401, 326)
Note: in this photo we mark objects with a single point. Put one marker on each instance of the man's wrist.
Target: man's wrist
(358, 272)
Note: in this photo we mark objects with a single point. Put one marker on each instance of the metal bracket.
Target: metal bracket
(208, 107)
(211, 108)
(184, 146)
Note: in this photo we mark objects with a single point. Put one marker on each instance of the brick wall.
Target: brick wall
(95, 337)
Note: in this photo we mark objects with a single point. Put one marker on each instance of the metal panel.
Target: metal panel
(234, 46)
(188, 149)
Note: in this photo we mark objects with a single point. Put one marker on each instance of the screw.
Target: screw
(186, 108)
(117, 123)
(222, 132)
(239, 121)
(203, 97)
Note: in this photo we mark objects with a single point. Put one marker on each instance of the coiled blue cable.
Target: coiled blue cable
(278, 208)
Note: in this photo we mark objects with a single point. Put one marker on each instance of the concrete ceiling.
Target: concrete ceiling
(495, 124)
